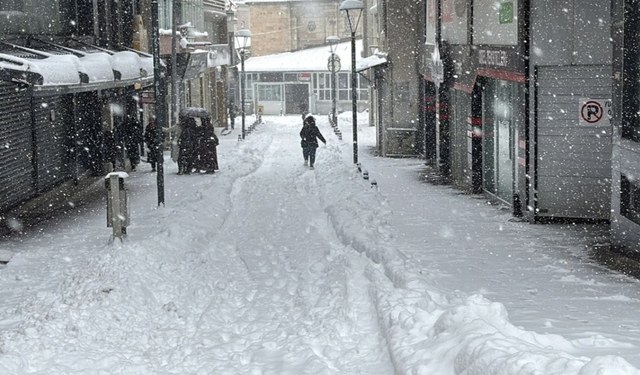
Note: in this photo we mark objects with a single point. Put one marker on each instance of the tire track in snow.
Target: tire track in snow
(306, 304)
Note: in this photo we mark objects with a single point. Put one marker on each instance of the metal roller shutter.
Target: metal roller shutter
(16, 171)
(460, 114)
(52, 122)
(573, 157)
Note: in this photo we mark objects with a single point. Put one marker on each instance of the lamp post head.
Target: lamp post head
(353, 8)
(242, 39)
(333, 42)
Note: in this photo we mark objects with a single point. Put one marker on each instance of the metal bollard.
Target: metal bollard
(117, 204)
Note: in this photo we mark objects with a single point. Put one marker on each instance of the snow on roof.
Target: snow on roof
(65, 69)
(369, 62)
(97, 67)
(128, 64)
(308, 60)
(55, 70)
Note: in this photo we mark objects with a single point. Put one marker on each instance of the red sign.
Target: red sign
(147, 97)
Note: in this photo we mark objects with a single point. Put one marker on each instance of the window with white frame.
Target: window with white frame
(270, 93)
(322, 86)
(249, 79)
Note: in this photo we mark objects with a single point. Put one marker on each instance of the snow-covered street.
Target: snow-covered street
(267, 267)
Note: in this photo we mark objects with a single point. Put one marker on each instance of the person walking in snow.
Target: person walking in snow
(233, 112)
(151, 139)
(310, 135)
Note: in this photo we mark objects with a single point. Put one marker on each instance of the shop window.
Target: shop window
(250, 78)
(363, 88)
(271, 93)
(630, 199)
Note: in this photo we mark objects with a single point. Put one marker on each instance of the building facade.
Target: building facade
(625, 198)
(516, 105)
(283, 26)
(69, 82)
(290, 83)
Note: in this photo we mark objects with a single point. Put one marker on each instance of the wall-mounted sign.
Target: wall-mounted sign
(147, 97)
(595, 112)
(493, 57)
(219, 55)
(505, 13)
(196, 65)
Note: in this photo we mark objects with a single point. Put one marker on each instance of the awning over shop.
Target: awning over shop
(76, 66)
(369, 62)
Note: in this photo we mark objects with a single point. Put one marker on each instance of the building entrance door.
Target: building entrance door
(296, 98)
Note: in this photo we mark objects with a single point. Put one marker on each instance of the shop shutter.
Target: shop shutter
(52, 122)
(16, 171)
(574, 158)
(460, 114)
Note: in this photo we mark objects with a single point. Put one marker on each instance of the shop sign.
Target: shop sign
(147, 97)
(493, 57)
(219, 55)
(304, 76)
(196, 65)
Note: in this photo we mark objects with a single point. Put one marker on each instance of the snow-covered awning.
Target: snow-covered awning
(369, 62)
(54, 70)
(46, 64)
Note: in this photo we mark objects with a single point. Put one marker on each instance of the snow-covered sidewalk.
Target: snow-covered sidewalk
(267, 267)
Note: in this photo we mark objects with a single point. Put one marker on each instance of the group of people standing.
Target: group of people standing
(195, 145)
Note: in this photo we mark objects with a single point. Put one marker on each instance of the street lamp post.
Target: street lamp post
(242, 42)
(159, 99)
(353, 9)
(333, 45)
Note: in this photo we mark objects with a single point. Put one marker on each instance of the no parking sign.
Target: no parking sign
(595, 112)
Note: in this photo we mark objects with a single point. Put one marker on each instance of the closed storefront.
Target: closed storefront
(16, 140)
(502, 111)
(460, 113)
(573, 153)
(53, 123)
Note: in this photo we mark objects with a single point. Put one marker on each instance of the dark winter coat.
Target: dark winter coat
(310, 133)
(188, 143)
(151, 139)
(207, 150)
